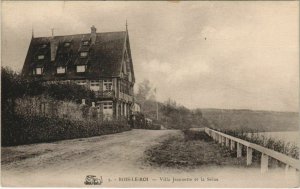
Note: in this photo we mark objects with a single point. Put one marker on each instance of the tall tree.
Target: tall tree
(144, 91)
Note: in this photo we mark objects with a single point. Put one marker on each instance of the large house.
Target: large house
(100, 61)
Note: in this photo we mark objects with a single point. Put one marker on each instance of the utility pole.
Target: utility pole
(52, 31)
(156, 105)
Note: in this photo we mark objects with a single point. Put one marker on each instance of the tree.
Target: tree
(14, 85)
(144, 91)
(11, 89)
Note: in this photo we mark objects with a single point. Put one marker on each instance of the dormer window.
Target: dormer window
(83, 54)
(85, 42)
(38, 71)
(80, 68)
(41, 57)
(67, 44)
(61, 70)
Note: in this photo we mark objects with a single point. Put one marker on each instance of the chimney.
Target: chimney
(83, 101)
(93, 34)
(53, 46)
(93, 104)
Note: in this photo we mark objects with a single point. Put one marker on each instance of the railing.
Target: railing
(105, 94)
(126, 97)
(231, 142)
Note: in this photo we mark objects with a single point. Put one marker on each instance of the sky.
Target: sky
(220, 54)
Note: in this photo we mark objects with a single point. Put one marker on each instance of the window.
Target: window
(41, 57)
(107, 105)
(107, 85)
(85, 42)
(61, 70)
(80, 69)
(94, 85)
(38, 71)
(43, 46)
(67, 44)
(83, 54)
(81, 82)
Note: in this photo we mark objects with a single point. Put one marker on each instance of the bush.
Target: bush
(196, 135)
(15, 86)
(17, 129)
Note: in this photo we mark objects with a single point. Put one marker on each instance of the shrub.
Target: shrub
(196, 135)
(16, 86)
(17, 129)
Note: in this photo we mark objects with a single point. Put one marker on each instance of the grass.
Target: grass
(191, 149)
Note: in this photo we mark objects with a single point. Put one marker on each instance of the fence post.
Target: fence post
(227, 142)
(220, 138)
(249, 155)
(289, 171)
(264, 163)
(238, 150)
(222, 141)
(286, 170)
(232, 144)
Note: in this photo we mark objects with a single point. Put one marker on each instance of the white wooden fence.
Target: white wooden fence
(231, 142)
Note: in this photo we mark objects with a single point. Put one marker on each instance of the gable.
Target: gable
(127, 65)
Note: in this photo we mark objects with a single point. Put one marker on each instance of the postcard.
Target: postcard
(185, 94)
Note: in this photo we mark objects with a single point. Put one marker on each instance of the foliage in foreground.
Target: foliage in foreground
(17, 129)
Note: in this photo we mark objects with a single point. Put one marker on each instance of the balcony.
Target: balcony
(126, 97)
(105, 94)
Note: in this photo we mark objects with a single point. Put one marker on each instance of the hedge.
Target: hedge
(17, 129)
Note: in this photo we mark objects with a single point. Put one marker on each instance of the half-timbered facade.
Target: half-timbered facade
(101, 62)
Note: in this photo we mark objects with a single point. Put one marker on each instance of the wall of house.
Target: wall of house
(42, 106)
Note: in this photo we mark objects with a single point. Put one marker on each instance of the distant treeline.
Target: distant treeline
(170, 114)
(250, 119)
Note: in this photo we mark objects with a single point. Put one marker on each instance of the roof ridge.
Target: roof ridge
(80, 34)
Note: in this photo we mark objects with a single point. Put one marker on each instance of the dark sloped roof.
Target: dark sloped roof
(104, 57)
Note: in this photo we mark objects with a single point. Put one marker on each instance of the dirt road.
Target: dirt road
(118, 159)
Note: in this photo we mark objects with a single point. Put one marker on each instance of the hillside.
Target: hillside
(256, 120)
